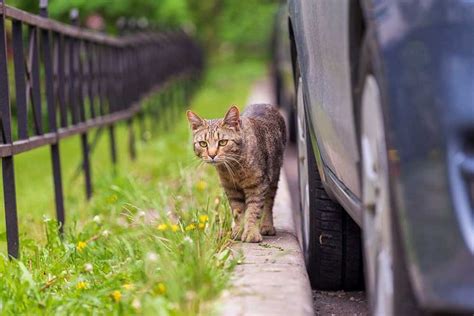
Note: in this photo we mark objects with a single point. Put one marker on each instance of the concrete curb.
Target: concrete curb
(272, 279)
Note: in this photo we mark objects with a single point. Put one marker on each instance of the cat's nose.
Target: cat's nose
(212, 152)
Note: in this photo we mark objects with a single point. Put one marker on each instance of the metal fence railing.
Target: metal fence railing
(67, 80)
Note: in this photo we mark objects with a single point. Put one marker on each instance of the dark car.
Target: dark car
(382, 92)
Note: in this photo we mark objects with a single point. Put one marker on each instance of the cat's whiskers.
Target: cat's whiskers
(194, 163)
(233, 159)
(231, 172)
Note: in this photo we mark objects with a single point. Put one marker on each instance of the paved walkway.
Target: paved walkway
(272, 279)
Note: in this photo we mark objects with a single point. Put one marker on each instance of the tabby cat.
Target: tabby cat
(247, 152)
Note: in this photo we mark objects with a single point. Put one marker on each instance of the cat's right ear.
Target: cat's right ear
(194, 120)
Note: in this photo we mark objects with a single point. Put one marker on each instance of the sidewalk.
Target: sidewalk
(272, 279)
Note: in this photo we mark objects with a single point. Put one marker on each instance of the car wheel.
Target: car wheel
(387, 281)
(330, 238)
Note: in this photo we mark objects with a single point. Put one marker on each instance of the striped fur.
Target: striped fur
(247, 151)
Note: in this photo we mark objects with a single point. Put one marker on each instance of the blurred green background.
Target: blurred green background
(224, 27)
(236, 36)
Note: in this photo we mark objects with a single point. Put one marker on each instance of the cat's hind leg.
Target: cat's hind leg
(267, 228)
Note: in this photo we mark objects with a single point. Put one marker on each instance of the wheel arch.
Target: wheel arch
(293, 50)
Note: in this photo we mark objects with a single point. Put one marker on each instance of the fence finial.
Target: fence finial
(74, 15)
(43, 8)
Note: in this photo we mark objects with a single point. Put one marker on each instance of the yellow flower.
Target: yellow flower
(112, 199)
(81, 285)
(203, 218)
(174, 228)
(162, 227)
(202, 225)
(116, 295)
(128, 286)
(201, 185)
(161, 288)
(81, 245)
(190, 227)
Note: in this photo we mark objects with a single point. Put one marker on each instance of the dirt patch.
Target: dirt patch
(340, 303)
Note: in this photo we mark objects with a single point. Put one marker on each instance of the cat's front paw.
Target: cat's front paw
(267, 230)
(251, 234)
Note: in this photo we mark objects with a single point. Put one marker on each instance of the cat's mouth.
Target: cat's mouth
(214, 162)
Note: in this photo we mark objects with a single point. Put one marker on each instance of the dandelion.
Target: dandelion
(162, 227)
(201, 185)
(190, 295)
(106, 233)
(202, 225)
(217, 200)
(88, 267)
(152, 257)
(136, 304)
(174, 228)
(81, 285)
(117, 296)
(188, 240)
(112, 199)
(141, 214)
(161, 288)
(128, 286)
(81, 246)
(97, 219)
(203, 218)
(190, 227)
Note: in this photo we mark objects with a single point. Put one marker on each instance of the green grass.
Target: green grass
(153, 240)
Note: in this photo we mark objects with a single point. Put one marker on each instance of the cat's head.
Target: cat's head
(218, 140)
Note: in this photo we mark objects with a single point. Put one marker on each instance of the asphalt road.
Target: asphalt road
(325, 303)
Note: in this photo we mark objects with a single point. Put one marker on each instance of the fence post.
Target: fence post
(131, 140)
(129, 97)
(49, 81)
(76, 61)
(8, 171)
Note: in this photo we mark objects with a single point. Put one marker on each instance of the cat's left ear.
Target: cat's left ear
(232, 117)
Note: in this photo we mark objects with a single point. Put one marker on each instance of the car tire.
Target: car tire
(388, 284)
(331, 240)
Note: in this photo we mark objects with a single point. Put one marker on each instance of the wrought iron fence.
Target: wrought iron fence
(68, 80)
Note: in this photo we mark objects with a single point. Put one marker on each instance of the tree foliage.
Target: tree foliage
(240, 26)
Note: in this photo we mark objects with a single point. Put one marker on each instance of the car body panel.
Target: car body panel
(427, 68)
(327, 83)
(427, 56)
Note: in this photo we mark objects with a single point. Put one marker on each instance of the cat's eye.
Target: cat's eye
(223, 142)
(203, 144)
